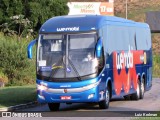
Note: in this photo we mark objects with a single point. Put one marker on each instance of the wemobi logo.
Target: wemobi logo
(126, 78)
(124, 60)
(68, 29)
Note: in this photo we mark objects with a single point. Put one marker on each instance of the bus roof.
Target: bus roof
(83, 23)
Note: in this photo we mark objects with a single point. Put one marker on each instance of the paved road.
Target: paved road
(151, 102)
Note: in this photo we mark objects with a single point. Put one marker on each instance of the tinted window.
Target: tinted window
(132, 38)
(82, 41)
(148, 39)
(117, 38)
(143, 39)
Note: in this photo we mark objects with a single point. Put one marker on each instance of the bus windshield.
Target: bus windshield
(66, 56)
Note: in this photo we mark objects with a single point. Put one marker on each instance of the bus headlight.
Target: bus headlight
(41, 87)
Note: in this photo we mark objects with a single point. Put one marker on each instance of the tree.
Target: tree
(40, 11)
(23, 25)
(36, 11)
(17, 25)
(5, 28)
(10, 8)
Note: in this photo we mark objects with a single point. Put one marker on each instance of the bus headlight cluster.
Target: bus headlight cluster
(41, 87)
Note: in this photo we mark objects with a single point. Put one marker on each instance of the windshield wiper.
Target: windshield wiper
(74, 68)
(60, 61)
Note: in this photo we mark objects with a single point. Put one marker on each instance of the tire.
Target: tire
(54, 106)
(136, 96)
(127, 97)
(105, 103)
(142, 89)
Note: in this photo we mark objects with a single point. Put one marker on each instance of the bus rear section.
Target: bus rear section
(129, 57)
(84, 59)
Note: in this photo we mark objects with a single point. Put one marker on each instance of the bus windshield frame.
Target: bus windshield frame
(68, 57)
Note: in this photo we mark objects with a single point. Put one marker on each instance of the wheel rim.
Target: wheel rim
(107, 97)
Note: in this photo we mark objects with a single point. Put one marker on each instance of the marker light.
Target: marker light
(90, 96)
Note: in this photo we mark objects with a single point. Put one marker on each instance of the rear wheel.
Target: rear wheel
(54, 106)
(136, 95)
(105, 103)
(142, 89)
(127, 97)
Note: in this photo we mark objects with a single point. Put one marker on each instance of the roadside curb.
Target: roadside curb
(20, 106)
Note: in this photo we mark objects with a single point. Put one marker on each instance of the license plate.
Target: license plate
(65, 97)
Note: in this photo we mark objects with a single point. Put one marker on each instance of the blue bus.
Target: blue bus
(92, 59)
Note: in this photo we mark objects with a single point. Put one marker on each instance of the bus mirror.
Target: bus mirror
(29, 49)
(99, 48)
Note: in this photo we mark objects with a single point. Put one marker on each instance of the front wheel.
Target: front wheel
(105, 103)
(54, 106)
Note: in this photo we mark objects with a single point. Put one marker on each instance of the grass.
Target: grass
(156, 66)
(15, 95)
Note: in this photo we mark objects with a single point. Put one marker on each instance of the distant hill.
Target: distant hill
(136, 11)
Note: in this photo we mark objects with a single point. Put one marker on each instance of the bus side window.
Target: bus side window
(141, 40)
(101, 61)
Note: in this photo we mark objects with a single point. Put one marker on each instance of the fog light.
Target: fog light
(41, 97)
(90, 96)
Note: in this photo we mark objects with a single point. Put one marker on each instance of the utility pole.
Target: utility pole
(126, 9)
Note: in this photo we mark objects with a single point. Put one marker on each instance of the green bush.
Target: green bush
(3, 79)
(14, 62)
(156, 66)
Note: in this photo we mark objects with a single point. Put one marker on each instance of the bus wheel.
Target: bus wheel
(142, 89)
(54, 106)
(105, 103)
(136, 95)
(127, 97)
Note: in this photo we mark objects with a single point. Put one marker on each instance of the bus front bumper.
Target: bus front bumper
(68, 96)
